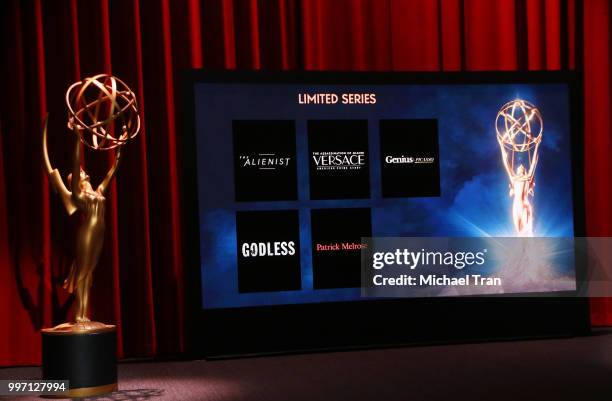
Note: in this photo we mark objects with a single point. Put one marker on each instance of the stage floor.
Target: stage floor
(558, 369)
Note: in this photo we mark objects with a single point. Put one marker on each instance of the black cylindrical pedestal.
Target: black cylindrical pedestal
(88, 360)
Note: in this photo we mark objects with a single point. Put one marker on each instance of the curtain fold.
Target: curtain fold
(46, 45)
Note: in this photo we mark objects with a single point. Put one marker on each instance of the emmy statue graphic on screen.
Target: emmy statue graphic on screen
(519, 129)
(102, 116)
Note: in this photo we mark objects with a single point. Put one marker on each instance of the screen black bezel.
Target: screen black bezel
(370, 323)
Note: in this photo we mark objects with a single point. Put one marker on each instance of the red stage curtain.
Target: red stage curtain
(46, 45)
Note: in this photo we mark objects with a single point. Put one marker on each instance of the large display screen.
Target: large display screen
(291, 177)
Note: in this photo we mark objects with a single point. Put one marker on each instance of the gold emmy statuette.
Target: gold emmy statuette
(519, 129)
(102, 116)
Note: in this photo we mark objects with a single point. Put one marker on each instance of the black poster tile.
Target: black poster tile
(336, 246)
(264, 160)
(338, 159)
(268, 250)
(410, 158)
